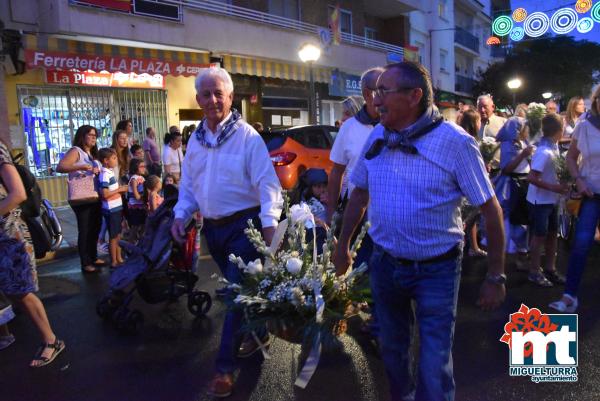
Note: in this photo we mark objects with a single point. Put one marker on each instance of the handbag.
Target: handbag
(82, 186)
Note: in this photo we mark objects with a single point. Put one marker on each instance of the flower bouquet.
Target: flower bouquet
(562, 172)
(488, 148)
(296, 291)
(535, 113)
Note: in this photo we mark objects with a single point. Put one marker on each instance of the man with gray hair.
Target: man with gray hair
(413, 173)
(345, 152)
(228, 177)
(490, 122)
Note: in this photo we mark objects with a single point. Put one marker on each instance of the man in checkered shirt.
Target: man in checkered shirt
(413, 173)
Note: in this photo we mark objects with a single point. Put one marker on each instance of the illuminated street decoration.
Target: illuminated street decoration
(564, 21)
(585, 25)
(492, 41)
(595, 14)
(583, 6)
(520, 23)
(519, 14)
(502, 25)
(536, 24)
(517, 33)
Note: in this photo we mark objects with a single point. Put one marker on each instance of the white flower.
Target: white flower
(489, 140)
(254, 267)
(301, 214)
(293, 265)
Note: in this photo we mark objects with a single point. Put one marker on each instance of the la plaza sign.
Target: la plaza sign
(104, 78)
(66, 61)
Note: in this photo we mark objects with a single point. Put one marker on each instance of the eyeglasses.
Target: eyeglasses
(382, 92)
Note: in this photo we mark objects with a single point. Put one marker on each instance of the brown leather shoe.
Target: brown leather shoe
(221, 385)
(249, 346)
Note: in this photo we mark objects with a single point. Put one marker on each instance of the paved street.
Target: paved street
(171, 359)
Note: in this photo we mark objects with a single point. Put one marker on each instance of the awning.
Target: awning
(42, 51)
(273, 69)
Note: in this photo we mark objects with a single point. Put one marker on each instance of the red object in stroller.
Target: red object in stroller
(159, 269)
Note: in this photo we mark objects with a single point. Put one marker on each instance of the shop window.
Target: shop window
(285, 8)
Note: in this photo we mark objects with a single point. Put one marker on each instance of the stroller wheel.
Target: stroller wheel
(104, 309)
(199, 303)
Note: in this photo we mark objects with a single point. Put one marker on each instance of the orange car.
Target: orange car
(297, 149)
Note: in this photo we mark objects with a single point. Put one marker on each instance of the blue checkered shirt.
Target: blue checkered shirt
(415, 199)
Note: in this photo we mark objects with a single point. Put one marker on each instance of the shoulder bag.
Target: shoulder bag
(82, 186)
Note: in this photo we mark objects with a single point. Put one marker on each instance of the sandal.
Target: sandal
(562, 307)
(555, 276)
(89, 269)
(539, 279)
(57, 347)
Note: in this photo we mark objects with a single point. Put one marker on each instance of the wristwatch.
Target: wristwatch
(496, 278)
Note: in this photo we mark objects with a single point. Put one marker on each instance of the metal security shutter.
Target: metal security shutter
(51, 115)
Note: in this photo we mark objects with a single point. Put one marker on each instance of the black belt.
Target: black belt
(451, 254)
(231, 218)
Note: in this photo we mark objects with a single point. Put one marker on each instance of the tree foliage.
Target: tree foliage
(560, 65)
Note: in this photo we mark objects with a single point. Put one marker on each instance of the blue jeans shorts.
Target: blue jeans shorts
(113, 221)
(543, 218)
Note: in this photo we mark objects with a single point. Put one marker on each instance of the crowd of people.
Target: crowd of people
(396, 163)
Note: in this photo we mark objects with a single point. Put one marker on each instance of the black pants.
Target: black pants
(89, 222)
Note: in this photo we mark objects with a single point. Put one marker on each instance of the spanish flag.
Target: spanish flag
(334, 25)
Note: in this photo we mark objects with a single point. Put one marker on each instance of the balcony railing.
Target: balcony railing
(466, 39)
(464, 84)
(223, 8)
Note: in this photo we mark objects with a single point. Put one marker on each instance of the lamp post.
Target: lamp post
(310, 53)
(513, 85)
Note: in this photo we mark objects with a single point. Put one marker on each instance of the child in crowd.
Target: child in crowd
(137, 152)
(542, 197)
(169, 188)
(112, 205)
(136, 210)
(153, 189)
(312, 190)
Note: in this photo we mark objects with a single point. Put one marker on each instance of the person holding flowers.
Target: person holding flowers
(413, 173)
(229, 179)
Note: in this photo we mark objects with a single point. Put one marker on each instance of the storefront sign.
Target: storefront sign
(66, 61)
(116, 79)
(342, 84)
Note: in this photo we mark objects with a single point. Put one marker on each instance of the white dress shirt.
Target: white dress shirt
(235, 176)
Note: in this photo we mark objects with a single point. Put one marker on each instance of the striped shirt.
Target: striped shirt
(107, 180)
(415, 200)
(137, 180)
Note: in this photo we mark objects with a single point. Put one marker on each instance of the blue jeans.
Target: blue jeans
(589, 214)
(223, 241)
(434, 289)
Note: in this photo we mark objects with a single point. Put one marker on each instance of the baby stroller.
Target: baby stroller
(160, 269)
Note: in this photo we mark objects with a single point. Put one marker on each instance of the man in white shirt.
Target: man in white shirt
(346, 150)
(229, 178)
(350, 141)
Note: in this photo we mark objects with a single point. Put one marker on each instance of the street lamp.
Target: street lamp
(310, 53)
(513, 85)
(547, 95)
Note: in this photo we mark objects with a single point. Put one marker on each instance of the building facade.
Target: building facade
(451, 40)
(76, 62)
